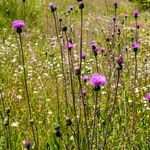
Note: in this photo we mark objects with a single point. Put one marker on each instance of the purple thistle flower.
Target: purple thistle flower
(135, 46)
(27, 144)
(70, 8)
(18, 24)
(139, 41)
(115, 5)
(131, 29)
(120, 60)
(84, 92)
(114, 18)
(69, 45)
(85, 78)
(148, 97)
(52, 7)
(102, 49)
(138, 25)
(97, 80)
(126, 16)
(83, 55)
(95, 50)
(93, 43)
(135, 13)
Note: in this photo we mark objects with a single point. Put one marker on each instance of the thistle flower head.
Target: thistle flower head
(83, 55)
(97, 81)
(135, 13)
(120, 60)
(114, 18)
(68, 121)
(85, 78)
(115, 5)
(93, 43)
(138, 25)
(69, 45)
(95, 50)
(18, 24)
(70, 8)
(27, 144)
(148, 97)
(135, 46)
(84, 92)
(126, 16)
(52, 7)
(131, 29)
(102, 49)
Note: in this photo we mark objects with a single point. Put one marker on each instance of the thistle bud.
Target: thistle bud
(81, 5)
(64, 28)
(58, 133)
(6, 121)
(7, 110)
(77, 71)
(68, 121)
(27, 144)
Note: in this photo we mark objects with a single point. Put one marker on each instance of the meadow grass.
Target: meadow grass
(112, 116)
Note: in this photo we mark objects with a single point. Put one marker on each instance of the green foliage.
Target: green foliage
(11, 10)
(143, 4)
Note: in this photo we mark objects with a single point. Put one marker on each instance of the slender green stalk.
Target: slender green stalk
(62, 63)
(71, 72)
(96, 63)
(111, 111)
(94, 120)
(133, 103)
(85, 113)
(81, 37)
(57, 90)
(26, 88)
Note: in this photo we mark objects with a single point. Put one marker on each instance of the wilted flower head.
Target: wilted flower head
(84, 78)
(52, 7)
(97, 80)
(120, 59)
(18, 24)
(115, 5)
(102, 49)
(135, 46)
(135, 13)
(83, 55)
(27, 144)
(84, 92)
(148, 97)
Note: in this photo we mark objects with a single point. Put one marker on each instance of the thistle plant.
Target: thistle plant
(18, 26)
(97, 81)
